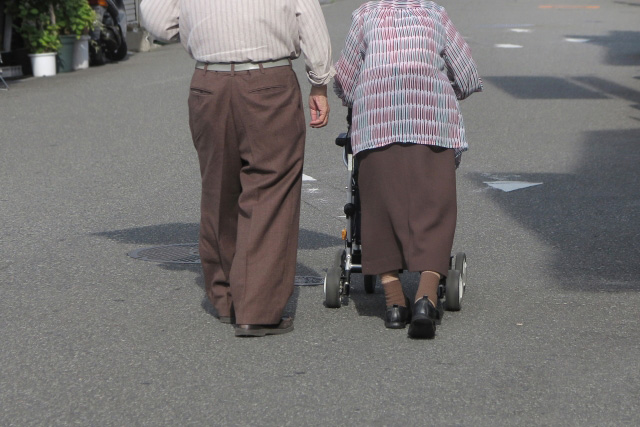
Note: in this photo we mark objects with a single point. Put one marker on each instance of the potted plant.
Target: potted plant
(75, 18)
(36, 24)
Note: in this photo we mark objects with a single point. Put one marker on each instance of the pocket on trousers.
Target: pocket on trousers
(199, 91)
(268, 89)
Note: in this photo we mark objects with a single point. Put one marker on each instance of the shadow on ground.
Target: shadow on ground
(589, 218)
(182, 233)
(611, 89)
(187, 233)
(543, 87)
(373, 305)
(622, 48)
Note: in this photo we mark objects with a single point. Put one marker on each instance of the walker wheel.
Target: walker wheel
(332, 287)
(369, 283)
(460, 264)
(453, 291)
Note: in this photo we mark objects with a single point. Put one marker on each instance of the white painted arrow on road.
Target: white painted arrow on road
(507, 186)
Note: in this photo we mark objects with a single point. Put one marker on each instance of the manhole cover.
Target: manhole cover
(178, 254)
(187, 253)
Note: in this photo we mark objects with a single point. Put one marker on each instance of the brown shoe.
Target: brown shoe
(285, 325)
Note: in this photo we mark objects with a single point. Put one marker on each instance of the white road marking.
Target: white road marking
(575, 40)
(307, 178)
(507, 186)
(509, 25)
(567, 6)
(508, 46)
(521, 30)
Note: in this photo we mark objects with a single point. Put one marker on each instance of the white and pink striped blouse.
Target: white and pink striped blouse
(403, 69)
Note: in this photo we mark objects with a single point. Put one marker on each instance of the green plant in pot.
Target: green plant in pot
(36, 24)
(74, 18)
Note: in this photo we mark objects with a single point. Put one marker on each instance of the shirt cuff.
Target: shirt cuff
(321, 79)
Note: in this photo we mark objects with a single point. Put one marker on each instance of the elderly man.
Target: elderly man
(247, 123)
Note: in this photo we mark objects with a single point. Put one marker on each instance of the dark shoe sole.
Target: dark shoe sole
(284, 327)
(422, 327)
(398, 324)
(395, 325)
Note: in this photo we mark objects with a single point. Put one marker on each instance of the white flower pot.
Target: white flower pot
(81, 53)
(43, 64)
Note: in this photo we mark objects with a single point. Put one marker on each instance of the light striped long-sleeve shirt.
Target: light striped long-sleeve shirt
(403, 69)
(245, 31)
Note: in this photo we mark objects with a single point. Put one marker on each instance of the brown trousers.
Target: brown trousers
(408, 202)
(249, 130)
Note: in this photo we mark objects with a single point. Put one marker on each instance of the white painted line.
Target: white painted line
(312, 190)
(508, 46)
(507, 186)
(567, 6)
(307, 178)
(510, 25)
(575, 40)
(521, 30)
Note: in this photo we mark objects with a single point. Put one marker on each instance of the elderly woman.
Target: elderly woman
(402, 71)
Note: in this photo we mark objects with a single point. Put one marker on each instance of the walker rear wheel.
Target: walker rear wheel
(453, 291)
(460, 264)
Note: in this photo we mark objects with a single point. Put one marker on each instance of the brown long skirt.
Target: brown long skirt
(408, 201)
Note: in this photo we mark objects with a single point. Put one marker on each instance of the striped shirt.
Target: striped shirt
(245, 31)
(403, 69)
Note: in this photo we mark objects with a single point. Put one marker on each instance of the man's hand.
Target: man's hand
(318, 106)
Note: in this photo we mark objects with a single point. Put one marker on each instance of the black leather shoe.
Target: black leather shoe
(397, 316)
(423, 322)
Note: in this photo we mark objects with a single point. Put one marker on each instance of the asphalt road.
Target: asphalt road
(97, 163)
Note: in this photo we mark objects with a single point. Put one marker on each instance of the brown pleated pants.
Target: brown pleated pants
(408, 203)
(248, 128)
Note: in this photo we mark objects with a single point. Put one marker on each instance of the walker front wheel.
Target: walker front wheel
(332, 287)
